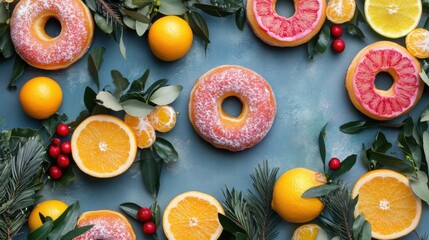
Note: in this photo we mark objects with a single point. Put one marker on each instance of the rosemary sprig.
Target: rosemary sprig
(21, 167)
(252, 218)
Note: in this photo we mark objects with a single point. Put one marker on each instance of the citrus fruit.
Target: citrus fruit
(170, 38)
(103, 146)
(340, 11)
(163, 118)
(393, 18)
(40, 97)
(48, 208)
(306, 232)
(277, 30)
(388, 204)
(288, 189)
(107, 224)
(406, 87)
(144, 132)
(192, 215)
(417, 43)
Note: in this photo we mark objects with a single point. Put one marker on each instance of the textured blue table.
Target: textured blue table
(309, 94)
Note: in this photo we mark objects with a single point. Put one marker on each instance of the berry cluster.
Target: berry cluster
(338, 44)
(145, 216)
(59, 152)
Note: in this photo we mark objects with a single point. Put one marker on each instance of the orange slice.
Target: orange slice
(340, 11)
(107, 224)
(306, 232)
(103, 146)
(388, 204)
(192, 215)
(417, 43)
(144, 132)
(163, 118)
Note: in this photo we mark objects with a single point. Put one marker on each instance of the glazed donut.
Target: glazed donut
(36, 47)
(218, 128)
(406, 89)
(107, 225)
(281, 31)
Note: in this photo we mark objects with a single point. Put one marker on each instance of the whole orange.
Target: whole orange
(48, 208)
(40, 97)
(170, 38)
(288, 189)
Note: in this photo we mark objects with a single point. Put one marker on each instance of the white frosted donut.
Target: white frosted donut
(39, 49)
(218, 128)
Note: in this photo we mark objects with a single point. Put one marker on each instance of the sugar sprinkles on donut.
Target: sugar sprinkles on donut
(39, 49)
(218, 128)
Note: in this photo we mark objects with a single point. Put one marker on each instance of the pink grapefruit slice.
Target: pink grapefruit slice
(281, 31)
(403, 94)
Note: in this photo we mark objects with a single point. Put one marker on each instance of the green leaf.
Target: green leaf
(165, 150)
(103, 24)
(322, 147)
(426, 25)
(358, 225)
(18, 69)
(212, 10)
(322, 235)
(354, 30)
(141, 3)
(323, 39)
(229, 225)
(107, 100)
(67, 177)
(121, 83)
(76, 232)
(136, 16)
(166, 95)
(122, 48)
(311, 48)
(172, 7)
(42, 232)
(426, 147)
(6, 46)
(89, 98)
(419, 186)
(424, 117)
(424, 77)
(387, 160)
(152, 88)
(139, 84)
(24, 132)
(4, 15)
(356, 126)
(91, 5)
(136, 108)
(150, 171)
(380, 144)
(345, 166)
(82, 116)
(65, 222)
(50, 124)
(95, 59)
(130, 209)
(141, 28)
(321, 190)
(199, 26)
(156, 213)
(240, 18)
(366, 231)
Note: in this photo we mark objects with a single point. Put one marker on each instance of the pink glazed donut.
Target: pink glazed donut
(217, 127)
(40, 50)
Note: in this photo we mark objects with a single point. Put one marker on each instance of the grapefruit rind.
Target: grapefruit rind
(193, 194)
(281, 31)
(401, 97)
(383, 173)
(111, 120)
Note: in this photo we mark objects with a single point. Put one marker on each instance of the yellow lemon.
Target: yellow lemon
(48, 208)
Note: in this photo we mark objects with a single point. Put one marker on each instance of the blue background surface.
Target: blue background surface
(309, 94)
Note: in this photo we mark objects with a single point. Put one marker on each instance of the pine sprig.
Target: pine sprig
(253, 215)
(21, 178)
(109, 11)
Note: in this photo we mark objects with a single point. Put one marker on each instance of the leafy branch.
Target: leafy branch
(252, 217)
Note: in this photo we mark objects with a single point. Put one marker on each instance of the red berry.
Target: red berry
(55, 172)
(65, 148)
(338, 45)
(149, 228)
(62, 129)
(56, 141)
(63, 161)
(144, 214)
(54, 151)
(334, 164)
(336, 31)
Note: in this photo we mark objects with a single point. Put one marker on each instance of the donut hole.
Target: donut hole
(53, 27)
(383, 81)
(285, 8)
(232, 106)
